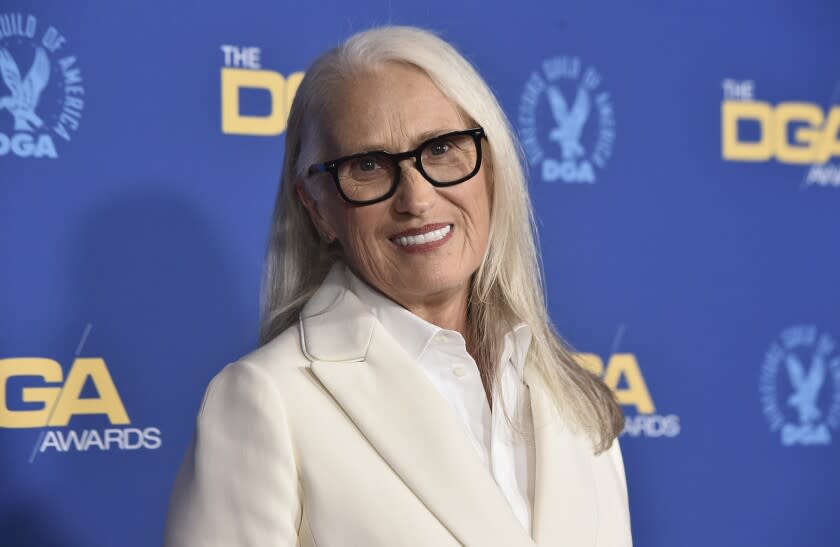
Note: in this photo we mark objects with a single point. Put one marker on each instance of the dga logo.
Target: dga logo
(791, 132)
(576, 133)
(254, 101)
(41, 92)
(27, 403)
(623, 375)
(800, 386)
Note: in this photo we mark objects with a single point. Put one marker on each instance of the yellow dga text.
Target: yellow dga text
(621, 365)
(814, 136)
(282, 91)
(60, 403)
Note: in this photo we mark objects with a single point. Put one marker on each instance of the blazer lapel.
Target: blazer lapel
(565, 504)
(405, 419)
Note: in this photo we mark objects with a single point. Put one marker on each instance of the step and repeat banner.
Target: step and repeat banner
(684, 162)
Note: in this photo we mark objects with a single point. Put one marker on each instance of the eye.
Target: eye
(366, 164)
(365, 168)
(439, 148)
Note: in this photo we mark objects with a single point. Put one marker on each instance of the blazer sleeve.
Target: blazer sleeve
(238, 482)
(618, 463)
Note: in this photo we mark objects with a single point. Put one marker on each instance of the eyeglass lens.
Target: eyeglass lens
(443, 160)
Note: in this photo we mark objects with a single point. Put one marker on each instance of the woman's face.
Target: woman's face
(395, 109)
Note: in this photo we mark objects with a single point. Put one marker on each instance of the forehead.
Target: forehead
(393, 108)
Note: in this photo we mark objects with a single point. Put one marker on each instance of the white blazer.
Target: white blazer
(330, 436)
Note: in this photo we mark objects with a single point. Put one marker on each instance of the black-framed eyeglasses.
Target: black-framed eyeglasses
(373, 176)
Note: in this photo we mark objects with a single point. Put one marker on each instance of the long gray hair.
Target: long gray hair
(505, 290)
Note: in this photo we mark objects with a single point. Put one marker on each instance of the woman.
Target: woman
(410, 389)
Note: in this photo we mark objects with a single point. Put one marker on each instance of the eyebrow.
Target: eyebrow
(418, 139)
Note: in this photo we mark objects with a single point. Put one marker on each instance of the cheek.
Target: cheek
(474, 204)
(479, 204)
(361, 227)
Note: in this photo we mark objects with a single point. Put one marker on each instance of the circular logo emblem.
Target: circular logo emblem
(566, 121)
(41, 88)
(800, 386)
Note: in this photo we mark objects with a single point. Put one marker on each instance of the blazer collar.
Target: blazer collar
(410, 424)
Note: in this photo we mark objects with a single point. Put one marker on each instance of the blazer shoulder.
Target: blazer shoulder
(241, 459)
(273, 367)
(281, 353)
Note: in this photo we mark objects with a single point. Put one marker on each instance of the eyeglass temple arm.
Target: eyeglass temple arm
(317, 168)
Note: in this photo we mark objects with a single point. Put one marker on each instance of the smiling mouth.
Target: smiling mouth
(427, 237)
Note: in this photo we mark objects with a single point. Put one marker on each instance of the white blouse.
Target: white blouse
(443, 356)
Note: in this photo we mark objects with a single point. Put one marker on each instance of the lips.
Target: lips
(423, 238)
(420, 230)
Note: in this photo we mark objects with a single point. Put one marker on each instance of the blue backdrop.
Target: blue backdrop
(685, 167)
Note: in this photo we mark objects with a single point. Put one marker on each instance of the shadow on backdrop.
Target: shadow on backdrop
(150, 289)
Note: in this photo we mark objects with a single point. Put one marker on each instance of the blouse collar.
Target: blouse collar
(415, 334)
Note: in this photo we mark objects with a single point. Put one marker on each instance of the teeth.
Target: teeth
(434, 235)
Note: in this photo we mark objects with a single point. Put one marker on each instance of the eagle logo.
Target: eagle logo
(812, 366)
(569, 123)
(575, 134)
(25, 92)
(806, 386)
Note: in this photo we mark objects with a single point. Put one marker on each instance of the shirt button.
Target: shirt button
(458, 370)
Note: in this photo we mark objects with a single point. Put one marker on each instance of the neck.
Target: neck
(446, 310)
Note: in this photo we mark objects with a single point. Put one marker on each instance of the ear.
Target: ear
(316, 213)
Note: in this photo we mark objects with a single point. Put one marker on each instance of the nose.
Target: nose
(414, 194)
